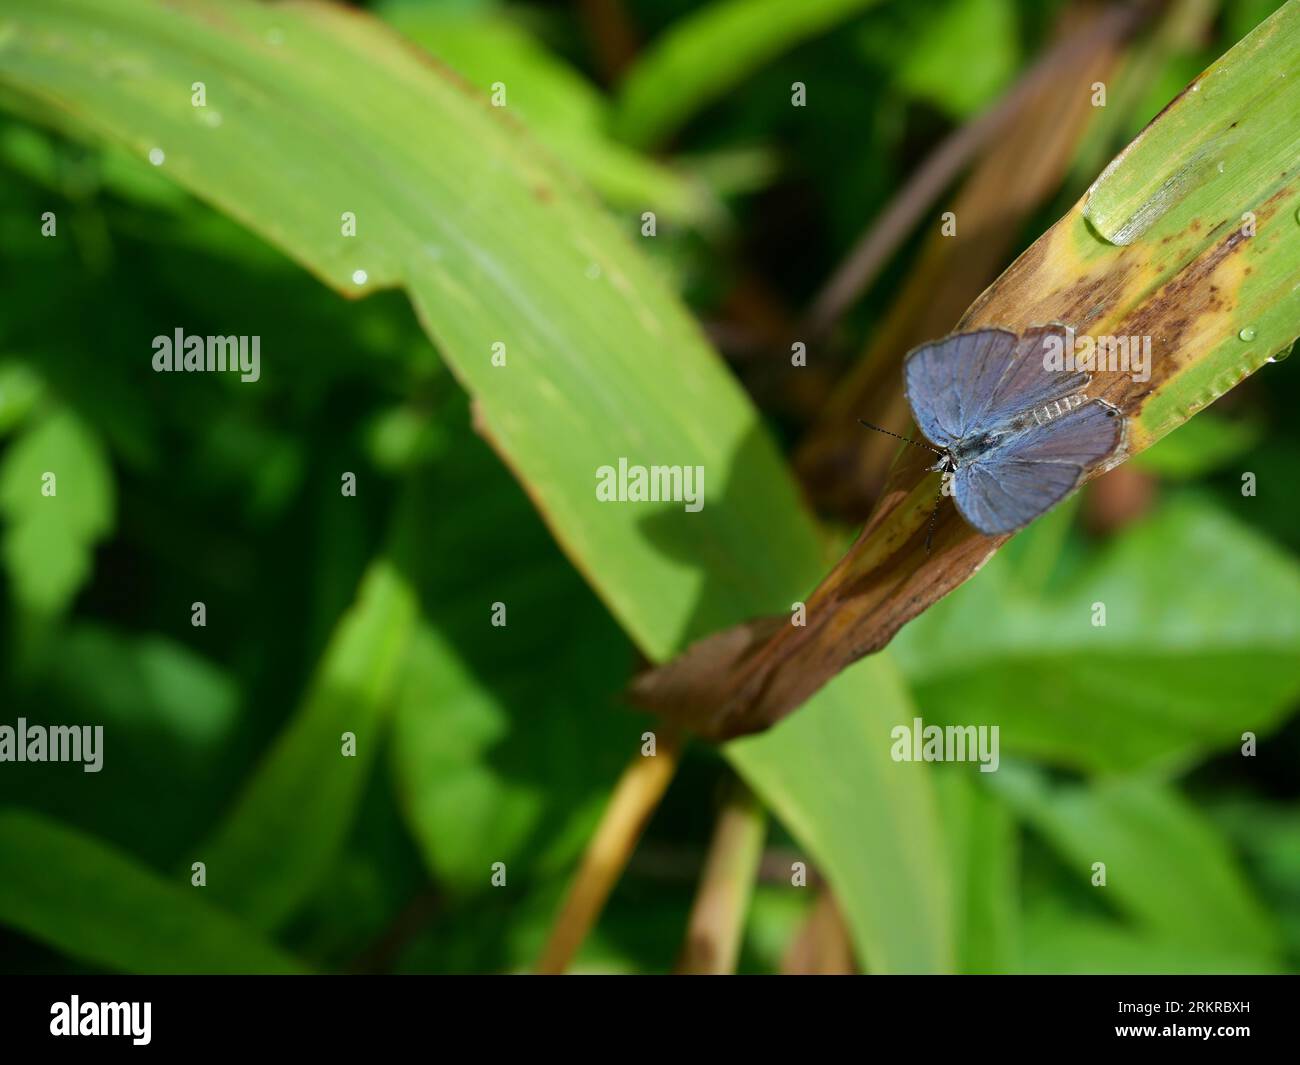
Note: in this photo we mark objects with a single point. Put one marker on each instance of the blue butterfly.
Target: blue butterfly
(1014, 437)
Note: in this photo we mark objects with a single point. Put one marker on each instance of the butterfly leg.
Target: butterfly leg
(934, 514)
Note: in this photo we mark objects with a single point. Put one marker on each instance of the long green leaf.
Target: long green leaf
(94, 903)
(1165, 866)
(871, 824)
(293, 816)
(982, 840)
(699, 58)
(566, 112)
(321, 112)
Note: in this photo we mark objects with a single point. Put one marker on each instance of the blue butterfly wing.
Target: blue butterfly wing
(1025, 382)
(974, 382)
(949, 380)
(1002, 497)
(1030, 472)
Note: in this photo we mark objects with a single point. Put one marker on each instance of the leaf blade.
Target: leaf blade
(704, 54)
(95, 903)
(294, 813)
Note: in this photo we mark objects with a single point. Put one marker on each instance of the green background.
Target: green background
(478, 744)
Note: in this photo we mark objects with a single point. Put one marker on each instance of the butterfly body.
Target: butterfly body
(970, 449)
(1014, 436)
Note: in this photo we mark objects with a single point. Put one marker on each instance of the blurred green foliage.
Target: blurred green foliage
(327, 614)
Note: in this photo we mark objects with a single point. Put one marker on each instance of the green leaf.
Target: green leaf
(20, 390)
(1190, 164)
(567, 112)
(294, 814)
(1268, 837)
(324, 111)
(982, 841)
(977, 37)
(1059, 941)
(146, 680)
(94, 903)
(602, 361)
(870, 824)
(1206, 443)
(488, 775)
(1183, 664)
(507, 737)
(57, 498)
(702, 56)
(1166, 867)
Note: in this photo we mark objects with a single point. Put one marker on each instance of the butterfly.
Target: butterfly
(1013, 437)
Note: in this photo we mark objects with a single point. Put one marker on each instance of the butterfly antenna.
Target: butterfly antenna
(905, 439)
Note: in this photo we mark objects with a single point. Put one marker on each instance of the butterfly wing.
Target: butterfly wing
(948, 380)
(1015, 481)
(1026, 382)
(974, 382)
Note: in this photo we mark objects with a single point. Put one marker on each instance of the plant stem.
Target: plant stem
(717, 919)
(822, 946)
(635, 798)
